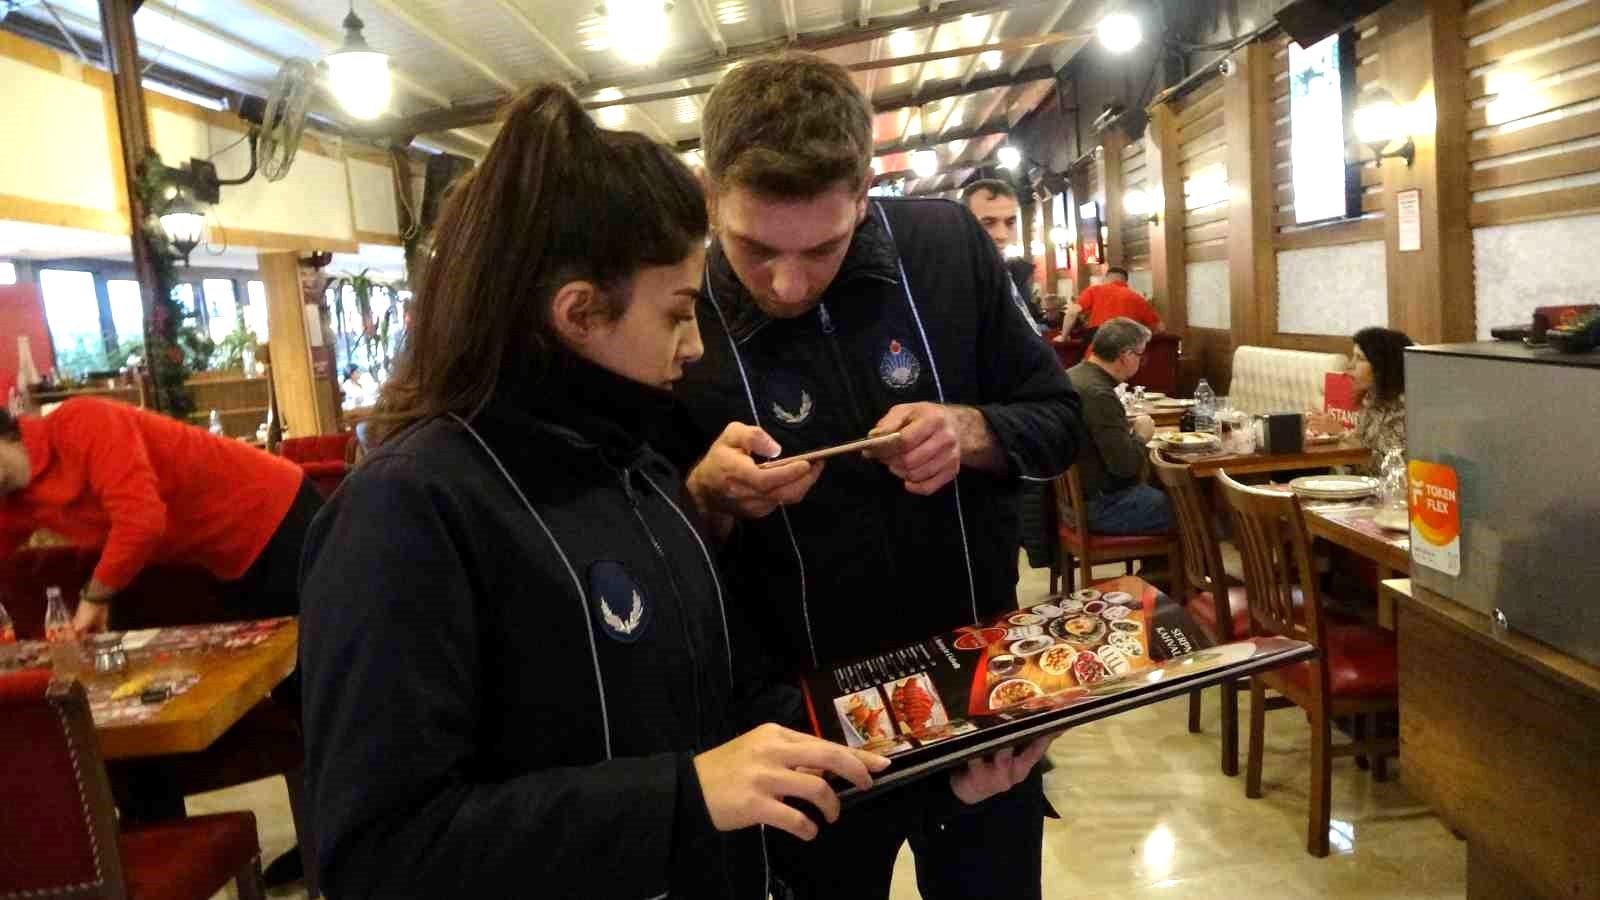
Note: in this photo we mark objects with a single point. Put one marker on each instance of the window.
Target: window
(1321, 83)
(73, 313)
(127, 309)
(255, 310)
(222, 308)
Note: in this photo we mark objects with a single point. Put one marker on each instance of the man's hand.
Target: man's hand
(727, 480)
(1144, 428)
(928, 456)
(746, 780)
(984, 778)
(90, 618)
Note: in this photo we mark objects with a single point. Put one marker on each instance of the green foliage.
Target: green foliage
(178, 344)
(372, 347)
(229, 352)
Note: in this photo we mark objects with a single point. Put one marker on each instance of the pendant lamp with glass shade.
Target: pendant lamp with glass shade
(184, 225)
(358, 74)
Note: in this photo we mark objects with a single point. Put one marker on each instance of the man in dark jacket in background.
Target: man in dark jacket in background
(828, 316)
(995, 205)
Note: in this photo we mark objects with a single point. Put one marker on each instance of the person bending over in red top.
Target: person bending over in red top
(1111, 299)
(148, 489)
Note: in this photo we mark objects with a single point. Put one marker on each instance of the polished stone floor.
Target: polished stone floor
(1146, 813)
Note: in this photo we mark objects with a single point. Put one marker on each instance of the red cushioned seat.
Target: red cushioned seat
(1203, 609)
(1156, 543)
(190, 859)
(1361, 663)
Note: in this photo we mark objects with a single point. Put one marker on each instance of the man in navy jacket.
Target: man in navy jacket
(828, 315)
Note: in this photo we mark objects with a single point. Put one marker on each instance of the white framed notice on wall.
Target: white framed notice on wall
(1410, 203)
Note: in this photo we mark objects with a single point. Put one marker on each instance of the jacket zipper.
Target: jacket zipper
(677, 593)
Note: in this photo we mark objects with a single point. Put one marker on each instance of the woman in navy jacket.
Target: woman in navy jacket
(522, 675)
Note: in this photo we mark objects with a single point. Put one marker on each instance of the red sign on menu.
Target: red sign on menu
(1339, 397)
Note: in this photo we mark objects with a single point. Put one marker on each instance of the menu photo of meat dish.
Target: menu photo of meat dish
(1073, 659)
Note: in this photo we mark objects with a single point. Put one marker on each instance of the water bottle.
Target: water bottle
(1205, 408)
(58, 631)
(216, 424)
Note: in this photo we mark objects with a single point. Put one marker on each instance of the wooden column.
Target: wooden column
(1111, 191)
(1052, 277)
(1252, 257)
(302, 401)
(133, 130)
(1168, 268)
(1079, 179)
(1423, 64)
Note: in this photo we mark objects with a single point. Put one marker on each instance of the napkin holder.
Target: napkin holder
(1283, 433)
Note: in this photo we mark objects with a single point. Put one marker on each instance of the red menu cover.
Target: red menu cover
(1339, 397)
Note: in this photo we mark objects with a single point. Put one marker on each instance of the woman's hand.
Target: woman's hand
(746, 780)
(1324, 423)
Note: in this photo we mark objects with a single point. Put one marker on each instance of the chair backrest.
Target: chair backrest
(57, 817)
(317, 448)
(1276, 548)
(1070, 352)
(1158, 368)
(1202, 559)
(1271, 379)
(1070, 508)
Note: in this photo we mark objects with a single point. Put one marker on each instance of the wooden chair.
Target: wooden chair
(1220, 609)
(61, 833)
(1081, 549)
(1355, 673)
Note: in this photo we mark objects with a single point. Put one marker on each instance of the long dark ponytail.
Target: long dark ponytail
(556, 199)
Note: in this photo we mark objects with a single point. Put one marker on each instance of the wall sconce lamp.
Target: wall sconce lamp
(1380, 122)
(1139, 203)
(184, 225)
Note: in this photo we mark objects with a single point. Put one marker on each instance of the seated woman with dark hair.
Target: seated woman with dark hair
(1377, 363)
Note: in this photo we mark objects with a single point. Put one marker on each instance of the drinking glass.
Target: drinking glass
(1393, 480)
(1138, 395)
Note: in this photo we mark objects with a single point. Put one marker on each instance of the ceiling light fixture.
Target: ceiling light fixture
(925, 163)
(1380, 122)
(638, 28)
(1119, 32)
(184, 225)
(359, 75)
(1010, 157)
(611, 116)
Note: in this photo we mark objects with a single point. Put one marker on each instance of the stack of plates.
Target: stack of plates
(1334, 487)
(1172, 403)
(1189, 440)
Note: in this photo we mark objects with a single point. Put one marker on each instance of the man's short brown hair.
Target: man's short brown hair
(791, 125)
(994, 186)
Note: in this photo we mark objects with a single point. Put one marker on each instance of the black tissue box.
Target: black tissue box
(1284, 432)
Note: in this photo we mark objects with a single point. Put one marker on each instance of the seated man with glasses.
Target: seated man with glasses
(1119, 503)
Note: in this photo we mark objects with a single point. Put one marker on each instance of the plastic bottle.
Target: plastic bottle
(58, 631)
(216, 424)
(8, 631)
(1205, 408)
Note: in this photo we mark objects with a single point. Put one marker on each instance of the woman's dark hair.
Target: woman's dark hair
(556, 200)
(9, 429)
(1385, 350)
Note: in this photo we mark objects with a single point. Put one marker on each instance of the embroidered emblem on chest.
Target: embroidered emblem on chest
(899, 367)
(621, 607)
(789, 400)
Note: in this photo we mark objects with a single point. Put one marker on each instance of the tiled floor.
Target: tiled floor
(1145, 813)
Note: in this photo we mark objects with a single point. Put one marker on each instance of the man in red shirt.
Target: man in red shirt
(1112, 298)
(147, 489)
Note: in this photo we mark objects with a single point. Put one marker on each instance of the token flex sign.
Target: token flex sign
(1435, 517)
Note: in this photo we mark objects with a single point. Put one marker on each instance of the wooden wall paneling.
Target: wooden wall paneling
(1354, 231)
(1532, 68)
(1112, 189)
(1205, 101)
(1214, 251)
(1481, 20)
(1205, 215)
(1532, 207)
(1052, 278)
(1560, 165)
(1543, 99)
(1252, 258)
(1168, 266)
(1213, 349)
(1201, 234)
(1431, 293)
(1560, 131)
(1579, 18)
(1078, 179)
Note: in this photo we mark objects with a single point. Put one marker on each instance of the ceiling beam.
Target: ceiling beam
(920, 115)
(1055, 19)
(708, 21)
(965, 134)
(515, 11)
(791, 24)
(482, 111)
(414, 23)
(920, 80)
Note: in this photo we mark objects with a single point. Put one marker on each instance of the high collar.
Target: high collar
(586, 405)
(871, 255)
(36, 441)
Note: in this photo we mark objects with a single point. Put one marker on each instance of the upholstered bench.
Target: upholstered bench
(1267, 379)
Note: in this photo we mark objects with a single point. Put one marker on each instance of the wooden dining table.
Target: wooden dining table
(216, 674)
(1312, 456)
(1164, 417)
(1350, 525)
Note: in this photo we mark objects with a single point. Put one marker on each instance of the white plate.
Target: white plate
(1154, 395)
(1334, 487)
(1173, 403)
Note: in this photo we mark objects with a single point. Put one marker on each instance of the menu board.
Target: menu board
(1073, 659)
